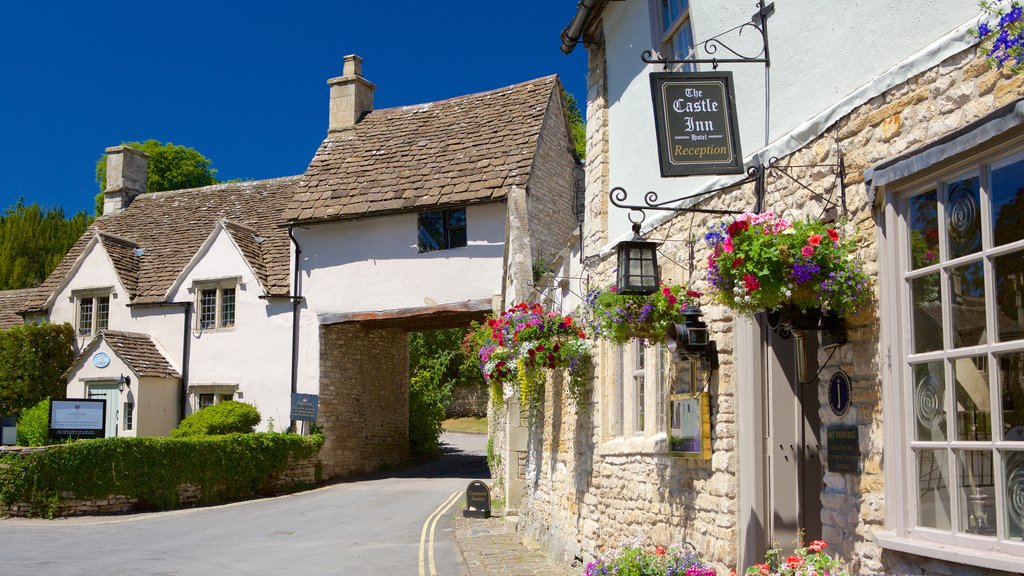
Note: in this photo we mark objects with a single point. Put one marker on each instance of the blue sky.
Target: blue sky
(241, 82)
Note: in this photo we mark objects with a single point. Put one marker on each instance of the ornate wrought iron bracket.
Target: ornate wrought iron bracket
(756, 175)
(759, 22)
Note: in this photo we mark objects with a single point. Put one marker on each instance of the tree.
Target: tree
(33, 359)
(33, 241)
(577, 125)
(171, 167)
(436, 365)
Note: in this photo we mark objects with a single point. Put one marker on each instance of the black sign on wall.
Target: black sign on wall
(843, 449)
(695, 119)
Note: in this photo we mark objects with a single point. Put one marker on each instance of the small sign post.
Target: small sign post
(478, 500)
(8, 431)
(695, 120)
(843, 449)
(305, 407)
(78, 418)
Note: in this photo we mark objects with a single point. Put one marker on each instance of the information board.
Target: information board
(77, 418)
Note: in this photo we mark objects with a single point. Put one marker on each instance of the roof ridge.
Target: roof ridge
(469, 96)
(214, 187)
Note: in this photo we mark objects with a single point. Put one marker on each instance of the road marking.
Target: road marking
(428, 528)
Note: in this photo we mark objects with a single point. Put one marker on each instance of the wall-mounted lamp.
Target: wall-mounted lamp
(638, 265)
(124, 382)
(833, 331)
(691, 338)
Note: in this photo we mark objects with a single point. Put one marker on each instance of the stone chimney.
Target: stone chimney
(126, 177)
(351, 96)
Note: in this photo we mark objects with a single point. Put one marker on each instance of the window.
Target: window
(216, 308)
(636, 398)
(93, 313)
(129, 408)
(204, 395)
(441, 230)
(959, 261)
(674, 33)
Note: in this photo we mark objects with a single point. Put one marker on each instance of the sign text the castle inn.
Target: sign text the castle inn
(695, 118)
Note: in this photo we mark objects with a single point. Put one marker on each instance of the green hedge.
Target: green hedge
(222, 418)
(227, 468)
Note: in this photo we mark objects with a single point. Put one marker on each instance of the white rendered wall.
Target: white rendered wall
(256, 353)
(96, 272)
(373, 264)
(820, 53)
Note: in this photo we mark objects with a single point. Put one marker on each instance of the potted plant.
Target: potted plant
(620, 318)
(515, 349)
(807, 561)
(643, 559)
(789, 268)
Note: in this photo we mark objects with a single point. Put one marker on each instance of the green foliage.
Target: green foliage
(810, 559)
(437, 366)
(171, 167)
(493, 458)
(621, 317)
(222, 418)
(33, 358)
(225, 468)
(637, 559)
(34, 425)
(427, 398)
(32, 242)
(577, 125)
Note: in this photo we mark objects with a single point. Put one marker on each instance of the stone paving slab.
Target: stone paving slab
(492, 547)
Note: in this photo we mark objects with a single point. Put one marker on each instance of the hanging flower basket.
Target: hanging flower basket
(764, 262)
(619, 318)
(516, 348)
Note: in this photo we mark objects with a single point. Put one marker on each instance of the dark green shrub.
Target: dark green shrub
(222, 418)
(32, 359)
(427, 399)
(34, 425)
(225, 468)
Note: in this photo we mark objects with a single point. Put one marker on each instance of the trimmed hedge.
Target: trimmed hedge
(222, 418)
(225, 468)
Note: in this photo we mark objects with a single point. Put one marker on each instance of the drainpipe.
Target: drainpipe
(296, 311)
(571, 34)
(186, 351)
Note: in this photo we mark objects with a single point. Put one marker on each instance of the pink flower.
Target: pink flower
(692, 294)
(751, 283)
(666, 290)
(833, 234)
(817, 546)
(794, 561)
(672, 300)
(814, 240)
(807, 251)
(727, 245)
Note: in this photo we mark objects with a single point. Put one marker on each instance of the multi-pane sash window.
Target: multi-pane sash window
(639, 392)
(93, 314)
(441, 229)
(637, 396)
(216, 308)
(676, 30)
(129, 422)
(962, 297)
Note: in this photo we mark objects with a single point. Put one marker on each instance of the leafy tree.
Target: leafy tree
(577, 125)
(436, 365)
(171, 167)
(33, 358)
(33, 241)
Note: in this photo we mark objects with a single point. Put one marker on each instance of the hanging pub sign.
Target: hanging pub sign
(695, 120)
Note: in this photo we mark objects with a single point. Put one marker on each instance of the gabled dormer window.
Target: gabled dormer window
(215, 303)
(441, 229)
(93, 314)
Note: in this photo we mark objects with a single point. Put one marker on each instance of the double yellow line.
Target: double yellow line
(427, 536)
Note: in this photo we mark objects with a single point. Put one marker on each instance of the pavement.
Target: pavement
(492, 547)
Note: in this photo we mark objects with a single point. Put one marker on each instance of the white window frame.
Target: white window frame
(93, 295)
(219, 391)
(901, 478)
(625, 428)
(221, 286)
(663, 33)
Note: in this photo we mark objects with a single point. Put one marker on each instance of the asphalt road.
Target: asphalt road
(382, 524)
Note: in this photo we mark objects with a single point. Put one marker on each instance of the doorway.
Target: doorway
(794, 470)
(110, 393)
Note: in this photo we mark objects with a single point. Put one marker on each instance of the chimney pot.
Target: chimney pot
(351, 96)
(126, 177)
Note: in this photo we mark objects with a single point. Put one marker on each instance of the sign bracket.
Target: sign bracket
(759, 22)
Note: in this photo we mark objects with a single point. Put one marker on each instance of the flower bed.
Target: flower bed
(811, 560)
(620, 318)
(766, 262)
(638, 560)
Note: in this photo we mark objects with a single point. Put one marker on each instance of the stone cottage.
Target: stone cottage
(883, 115)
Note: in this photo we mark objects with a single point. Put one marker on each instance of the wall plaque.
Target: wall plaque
(839, 389)
(695, 120)
(305, 407)
(478, 500)
(843, 449)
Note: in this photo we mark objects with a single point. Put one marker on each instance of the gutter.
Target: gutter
(572, 33)
(186, 352)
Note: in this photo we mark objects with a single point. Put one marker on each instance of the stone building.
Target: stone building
(408, 218)
(932, 146)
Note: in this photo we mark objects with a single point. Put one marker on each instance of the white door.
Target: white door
(110, 393)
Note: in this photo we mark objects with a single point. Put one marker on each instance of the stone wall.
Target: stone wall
(586, 495)
(364, 398)
(551, 188)
(467, 400)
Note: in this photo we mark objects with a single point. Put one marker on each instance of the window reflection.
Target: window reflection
(927, 318)
(973, 403)
(933, 507)
(963, 217)
(967, 288)
(1011, 390)
(924, 230)
(1008, 203)
(1009, 272)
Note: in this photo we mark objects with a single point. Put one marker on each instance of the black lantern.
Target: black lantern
(691, 338)
(638, 265)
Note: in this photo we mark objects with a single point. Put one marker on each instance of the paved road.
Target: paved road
(370, 526)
